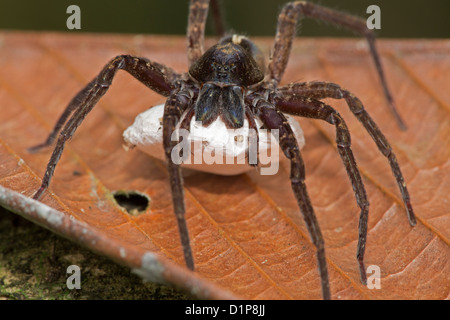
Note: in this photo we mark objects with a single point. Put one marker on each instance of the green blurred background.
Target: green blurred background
(399, 19)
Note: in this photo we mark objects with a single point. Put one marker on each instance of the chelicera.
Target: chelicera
(230, 81)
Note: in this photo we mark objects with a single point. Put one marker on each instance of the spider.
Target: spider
(229, 81)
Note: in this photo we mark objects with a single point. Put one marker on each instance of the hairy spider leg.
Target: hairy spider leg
(322, 90)
(198, 12)
(153, 75)
(217, 14)
(174, 108)
(274, 119)
(310, 108)
(73, 105)
(286, 30)
(253, 135)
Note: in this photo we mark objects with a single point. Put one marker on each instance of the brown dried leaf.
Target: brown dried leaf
(247, 234)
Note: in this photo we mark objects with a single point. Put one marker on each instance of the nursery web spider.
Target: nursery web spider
(230, 81)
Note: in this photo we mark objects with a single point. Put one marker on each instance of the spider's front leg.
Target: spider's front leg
(174, 108)
(286, 30)
(322, 90)
(155, 76)
(198, 12)
(275, 120)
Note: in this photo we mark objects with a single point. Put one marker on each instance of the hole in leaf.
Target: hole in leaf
(135, 203)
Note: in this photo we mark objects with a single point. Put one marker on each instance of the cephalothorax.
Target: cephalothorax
(224, 71)
(230, 81)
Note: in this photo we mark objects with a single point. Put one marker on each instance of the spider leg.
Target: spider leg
(198, 12)
(217, 13)
(322, 90)
(153, 75)
(185, 124)
(74, 104)
(286, 31)
(253, 137)
(275, 120)
(173, 110)
(315, 109)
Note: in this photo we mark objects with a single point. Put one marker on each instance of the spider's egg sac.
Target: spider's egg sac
(214, 149)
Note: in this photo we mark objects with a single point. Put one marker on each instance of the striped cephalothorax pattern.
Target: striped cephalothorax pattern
(230, 82)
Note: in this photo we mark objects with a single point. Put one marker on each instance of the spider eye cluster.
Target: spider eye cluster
(222, 72)
(225, 68)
